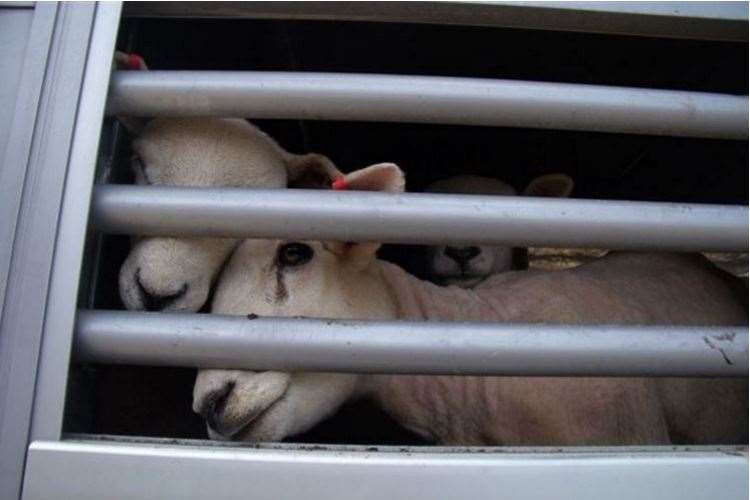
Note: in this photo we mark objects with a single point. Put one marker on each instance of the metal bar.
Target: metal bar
(54, 361)
(155, 471)
(468, 348)
(428, 99)
(693, 20)
(418, 218)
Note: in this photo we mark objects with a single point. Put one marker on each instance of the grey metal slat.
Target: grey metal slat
(418, 218)
(429, 99)
(470, 348)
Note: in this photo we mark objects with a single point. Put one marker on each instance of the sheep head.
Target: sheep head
(177, 273)
(293, 278)
(467, 265)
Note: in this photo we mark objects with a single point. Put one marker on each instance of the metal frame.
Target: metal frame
(467, 348)
(429, 99)
(147, 470)
(58, 123)
(43, 128)
(696, 20)
(417, 218)
(54, 359)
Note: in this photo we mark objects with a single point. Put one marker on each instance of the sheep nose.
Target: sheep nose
(213, 407)
(156, 302)
(462, 255)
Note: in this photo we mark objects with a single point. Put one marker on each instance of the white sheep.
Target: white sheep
(468, 265)
(163, 273)
(345, 280)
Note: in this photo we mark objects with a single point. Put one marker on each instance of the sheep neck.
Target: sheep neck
(626, 288)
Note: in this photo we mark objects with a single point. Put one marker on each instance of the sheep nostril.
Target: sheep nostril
(462, 255)
(213, 410)
(155, 302)
(472, 252)
(452, 252)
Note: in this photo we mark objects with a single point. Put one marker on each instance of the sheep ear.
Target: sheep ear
(132, 62)
(550, 185)
(381, 177)
(311, 171)
(385, 177)
(127, 61)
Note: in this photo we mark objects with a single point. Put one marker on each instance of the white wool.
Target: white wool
(208, 152)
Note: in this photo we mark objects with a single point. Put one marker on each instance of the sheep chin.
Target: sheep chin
(266, 426)
(465, 282)
(462, 281)
(243, 431)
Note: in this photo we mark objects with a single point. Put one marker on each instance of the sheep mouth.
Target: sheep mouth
(240, 430)
(467, 272)
(154, 302)
(467, 277)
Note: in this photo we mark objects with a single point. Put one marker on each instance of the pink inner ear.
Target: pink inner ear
(380, 177)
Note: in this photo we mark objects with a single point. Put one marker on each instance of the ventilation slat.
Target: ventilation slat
(408, 347)
(428, 99)
(418, 218)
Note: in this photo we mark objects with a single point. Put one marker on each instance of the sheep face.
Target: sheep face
(292, 278)
(267, 406)
(172, 274)
(287, 278)
(177, 274)
(467, 265)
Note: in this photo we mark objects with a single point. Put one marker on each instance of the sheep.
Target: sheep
(345, 280)
(468, 265)
(176, 274)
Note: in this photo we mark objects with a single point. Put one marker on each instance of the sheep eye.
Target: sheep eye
(294, 254)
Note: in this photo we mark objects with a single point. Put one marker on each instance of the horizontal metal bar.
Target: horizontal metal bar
(428, 99)
(697, 20)
(155, 471)
(418, 218)
(471, 348)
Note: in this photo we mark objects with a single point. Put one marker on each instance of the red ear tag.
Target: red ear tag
(134, 62)
(339, 184)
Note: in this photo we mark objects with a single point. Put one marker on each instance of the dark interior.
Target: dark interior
(139, 401)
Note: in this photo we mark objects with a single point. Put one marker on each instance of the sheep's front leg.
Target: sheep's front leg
(267, 406)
